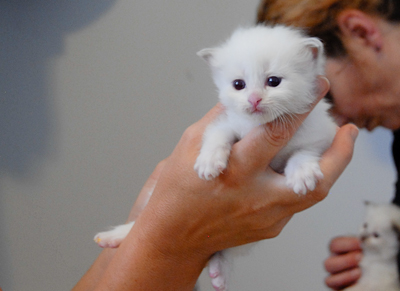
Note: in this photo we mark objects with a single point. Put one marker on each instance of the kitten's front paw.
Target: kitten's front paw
(114, 237)
(303, 175)
(210, 165)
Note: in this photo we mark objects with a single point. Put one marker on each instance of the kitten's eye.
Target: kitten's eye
(376, 235)
(273, 81)
(239, 84)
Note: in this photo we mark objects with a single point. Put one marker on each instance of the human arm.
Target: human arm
(343, 262)
(188, 219)
(90, 280)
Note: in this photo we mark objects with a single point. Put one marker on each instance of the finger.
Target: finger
(343, 244)
(333, 163)
(257, 149)
(323, 86)
(338, 156)
(342, 280)
(339, 263)
(146, 192)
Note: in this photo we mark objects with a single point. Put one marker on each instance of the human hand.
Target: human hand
(343, 262)
(248, 202)
(188, 219)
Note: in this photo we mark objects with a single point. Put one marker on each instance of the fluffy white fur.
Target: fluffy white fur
(279, 66)
(254, 56)
(380, 242)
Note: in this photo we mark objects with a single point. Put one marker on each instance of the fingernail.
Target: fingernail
(354, 133)
(327, 80)
(322, 80)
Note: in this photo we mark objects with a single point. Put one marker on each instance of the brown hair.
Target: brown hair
(318, 17)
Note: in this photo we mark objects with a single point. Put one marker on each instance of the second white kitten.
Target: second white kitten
(380, 243)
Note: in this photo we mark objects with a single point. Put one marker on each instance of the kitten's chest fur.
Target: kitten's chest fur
(377, 276)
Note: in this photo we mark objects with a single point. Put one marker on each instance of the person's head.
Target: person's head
(362, 43)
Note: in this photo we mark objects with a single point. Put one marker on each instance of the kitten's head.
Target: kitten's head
(267, 72)
(380, 231)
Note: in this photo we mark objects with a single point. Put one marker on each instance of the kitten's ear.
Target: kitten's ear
(208, 54)
(316, 47)
(396, 225)
(370, 204)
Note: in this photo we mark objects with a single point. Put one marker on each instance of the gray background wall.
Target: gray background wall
(93, 93)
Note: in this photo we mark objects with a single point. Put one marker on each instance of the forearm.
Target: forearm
(93, 276)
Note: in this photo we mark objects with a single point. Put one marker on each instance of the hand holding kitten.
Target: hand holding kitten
(164, 225)
(273, 128)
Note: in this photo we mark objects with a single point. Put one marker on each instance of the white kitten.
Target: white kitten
(380, 243)
(265, 74)
(262, 74)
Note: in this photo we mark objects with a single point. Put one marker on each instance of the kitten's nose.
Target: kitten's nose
(255, 99)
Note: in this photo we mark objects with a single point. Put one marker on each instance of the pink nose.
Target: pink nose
(255, 99)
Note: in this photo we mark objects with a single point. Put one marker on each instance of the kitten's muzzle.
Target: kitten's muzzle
(255, 99)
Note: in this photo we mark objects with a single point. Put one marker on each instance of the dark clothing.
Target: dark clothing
(396, 158)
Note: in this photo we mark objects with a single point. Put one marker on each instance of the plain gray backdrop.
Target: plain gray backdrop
(93, 93)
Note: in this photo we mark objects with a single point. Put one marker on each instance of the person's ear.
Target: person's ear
(360, 27)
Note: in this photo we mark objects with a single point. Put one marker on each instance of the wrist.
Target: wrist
(170, 243)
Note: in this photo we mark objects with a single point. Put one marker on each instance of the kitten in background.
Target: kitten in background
(263, 74)
(379, 237)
